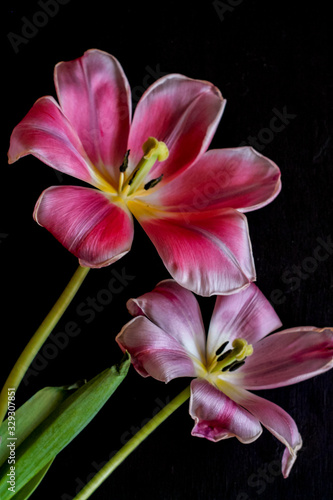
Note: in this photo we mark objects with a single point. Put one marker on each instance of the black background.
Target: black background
(264, 56)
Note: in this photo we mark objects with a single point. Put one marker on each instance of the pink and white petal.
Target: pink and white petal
(87, 223)
(208, 254)
(247, 314)
(218, 417)
(237, 178)
(154, 352)
(181, 112)
(46, 133)
(287, 357)
(176, 311)
(274, 418)
(95, 95)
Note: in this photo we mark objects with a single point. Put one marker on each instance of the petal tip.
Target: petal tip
(289, 458)
(105, 263)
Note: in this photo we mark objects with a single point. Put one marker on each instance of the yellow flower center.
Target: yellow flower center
(153, 150)
(233, 358)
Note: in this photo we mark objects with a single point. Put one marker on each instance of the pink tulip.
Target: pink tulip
(189, 201)
(166, 340)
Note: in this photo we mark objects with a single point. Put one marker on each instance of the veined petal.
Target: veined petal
(154, 352)
(47, 134)
(181, 112)
(95, 95)
(87, 223)
(237, 178)
(274, 418)
(247, 314)
(287, 357)
(176, 311)
(208, 254)
(218, 417)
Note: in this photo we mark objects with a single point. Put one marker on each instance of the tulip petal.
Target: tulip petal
(87, 223)
(287, 357)
(218, 417)
(46, 133)
(95, 95)
(181, 112)
(154, 352)
(176, 311)
(208, 254)
(273, 417)
(237, 178)
(247, 314)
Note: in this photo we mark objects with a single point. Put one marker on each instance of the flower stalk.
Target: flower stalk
(132, 444)
(22, 364)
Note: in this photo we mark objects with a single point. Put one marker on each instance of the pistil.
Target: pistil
(234, 358)
(153, 150)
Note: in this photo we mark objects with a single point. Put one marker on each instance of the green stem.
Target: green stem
(131, 445)
(22, 364)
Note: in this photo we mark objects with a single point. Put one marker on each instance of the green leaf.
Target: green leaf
(30, 487)
(32, 413)
(62, 426)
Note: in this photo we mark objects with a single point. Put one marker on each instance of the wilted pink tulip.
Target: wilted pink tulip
(166, 340)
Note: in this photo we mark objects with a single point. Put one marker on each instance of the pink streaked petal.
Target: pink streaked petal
(237, 178)
(95, 95)
(247, 314)
(181, 112)
(87, 223)
(154, 352)
(208, 254)
(47, 134)
(218, 417)
(287, 357)
(176, 311)
(274, 418)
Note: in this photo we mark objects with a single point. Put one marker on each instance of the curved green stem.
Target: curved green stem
(131, 445)
(22, 364)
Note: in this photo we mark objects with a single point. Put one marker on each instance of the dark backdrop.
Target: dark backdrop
(267, 58)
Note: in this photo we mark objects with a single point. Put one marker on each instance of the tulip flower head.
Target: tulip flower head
(166, 340)
(189, 201)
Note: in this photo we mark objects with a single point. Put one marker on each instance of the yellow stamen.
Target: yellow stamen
(125, 190)
(121, 181)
